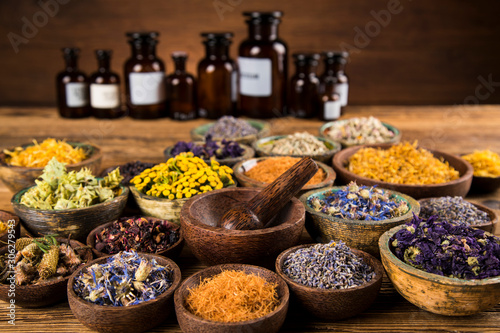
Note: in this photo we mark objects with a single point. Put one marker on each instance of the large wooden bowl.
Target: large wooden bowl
(267, 324)
(457, 187)
(358, 234)
(124, 319)
(435, 293)
(13, 227)
(334, 304)
(263, 127)
(77, 223)
(46, 293)
(216, 245)
(16, 178)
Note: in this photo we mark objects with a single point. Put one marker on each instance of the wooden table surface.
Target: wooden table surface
(454, 129)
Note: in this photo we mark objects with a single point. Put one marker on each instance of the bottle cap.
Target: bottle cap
(70, 52)
(213, 38)
(336, 54)
(103, 54)
(142, 34)
(179, 55)
(258, 17)
(303, 58)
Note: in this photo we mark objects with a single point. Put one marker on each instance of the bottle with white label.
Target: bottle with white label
(217, 77)
(72, 87)
(304, 86)
(263, 66)
(145, 78)
(330, 104)
(335, 62)
(105, 88)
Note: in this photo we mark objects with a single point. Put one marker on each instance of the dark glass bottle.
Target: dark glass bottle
(335, 62)
(181, 90)
(304, 86)
(72, 87)
(330, 105)
(144, 78)
(105, 88)
(217, 77)
(263, 66)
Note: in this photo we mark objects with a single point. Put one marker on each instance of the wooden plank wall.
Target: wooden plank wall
(423, 52)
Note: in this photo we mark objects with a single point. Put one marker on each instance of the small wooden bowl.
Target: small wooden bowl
(173, 251)
(485, 184)
(266, 324)
(216, 245)
(240, 168)
(43, 294)
(76, 223)
(457, 187)
(14, 224)
(334, 304)
(123, 319)
(16, 178)
(323, 131)
(247, 153)
(263, 127)
(358, 234)
(435, 293)
(485, 226)
(332, 146)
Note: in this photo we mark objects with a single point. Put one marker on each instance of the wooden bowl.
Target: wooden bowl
(457, 187)
(434, 293)
(240, 168)
(332, 146)
(334, 304)
(358, 234)
(173, 251)
(16, 178)
(485, 226)
(43, 294)
(216, 245)
(133, 318)
(13, 223)
(247, 153)
(266, 324)
(76, 223)
(323, 131)
(485, 184)
(263, 127)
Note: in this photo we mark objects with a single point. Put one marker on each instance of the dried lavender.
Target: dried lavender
(131, 169)
(209, 149)
(360, 203)
(447, 249)
(327, 266)
(229, 127)
(453, 209)
(125, 279)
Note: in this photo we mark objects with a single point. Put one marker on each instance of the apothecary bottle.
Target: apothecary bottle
(335, 62)
(72, 87)
(181, 90)
(330, 105)
(217, 77)
(145, 77)
(304, 86)
(262, 64)
(105, 88)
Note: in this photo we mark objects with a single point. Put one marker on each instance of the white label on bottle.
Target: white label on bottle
(76, 94)
(332, 110)
(147, 88)
(234, 87)
(104, 96)
(343, 90)
(255, 76)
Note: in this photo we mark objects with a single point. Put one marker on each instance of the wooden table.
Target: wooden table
(453, 129)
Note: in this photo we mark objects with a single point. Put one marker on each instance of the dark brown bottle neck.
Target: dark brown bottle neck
(263, 31)
(305, 69)
(180, 65)
(143, 51)
(217, 51)
(71, 64)
(104, 65)
(334, 68)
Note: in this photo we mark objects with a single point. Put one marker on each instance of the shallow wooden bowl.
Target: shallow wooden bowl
(43, 294)
(485, 184)
(457, 187)
(16, 178)
(216, 245)
(334, 304)
(76, 223)
(332, 146)
(358, 234)
(240, 168)
(267, 324)
(173, 251)
(435, 293)
(123, 319)
(14, 224)
(263, 127)
(247, 153)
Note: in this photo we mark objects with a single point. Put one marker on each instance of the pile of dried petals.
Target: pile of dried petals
(485, 163)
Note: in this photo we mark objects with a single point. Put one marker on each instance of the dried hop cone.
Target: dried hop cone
(48, 264)
(21, 243)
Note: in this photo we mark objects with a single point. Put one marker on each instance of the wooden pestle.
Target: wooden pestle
(257, 212)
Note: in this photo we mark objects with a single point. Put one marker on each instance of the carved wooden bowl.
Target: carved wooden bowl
(15, 226)
(267, 324)
(333, 304)
(263, 127)
(247, 153)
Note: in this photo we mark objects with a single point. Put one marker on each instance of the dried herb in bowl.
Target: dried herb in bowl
(359, 131)
(229, 127)
(131, 169)
(295, 144)
(454, 210)
(209, 149)
(485, 163)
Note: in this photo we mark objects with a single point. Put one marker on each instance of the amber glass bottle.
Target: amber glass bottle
(335, 62)
(304, 86)
(262, 64)
(144, 78)
(181, 90)
(72, 87)
(105, 88)
(217, 77)
(330, 105)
